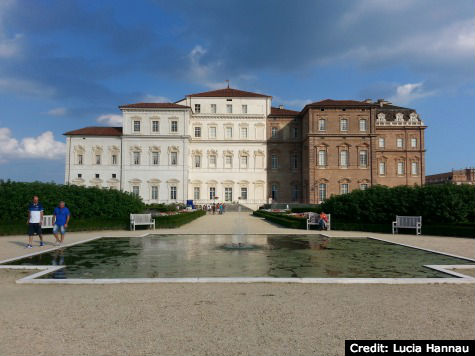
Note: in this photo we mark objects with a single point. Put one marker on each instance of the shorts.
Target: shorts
(34, 228)
(59, 228)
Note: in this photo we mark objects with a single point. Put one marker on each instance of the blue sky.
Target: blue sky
(69, 64)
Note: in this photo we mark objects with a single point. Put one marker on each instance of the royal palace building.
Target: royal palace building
(233, 146)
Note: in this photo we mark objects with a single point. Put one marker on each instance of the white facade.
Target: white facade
(209, 149)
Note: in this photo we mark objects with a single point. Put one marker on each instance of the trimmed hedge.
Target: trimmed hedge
(282, 219)
(84, 203)
(171, 221)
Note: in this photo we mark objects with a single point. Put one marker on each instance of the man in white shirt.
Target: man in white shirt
(35, 219)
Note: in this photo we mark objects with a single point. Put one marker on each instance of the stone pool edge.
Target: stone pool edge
(32, 278)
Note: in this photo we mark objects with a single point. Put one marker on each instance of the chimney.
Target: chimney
(381, 102)
(281, 107)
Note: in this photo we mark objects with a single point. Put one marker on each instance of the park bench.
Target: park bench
(408, 222)
(310, 222)
(47, 222)
(141, 219)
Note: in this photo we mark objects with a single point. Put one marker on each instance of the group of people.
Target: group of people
(61, 216)
(214, 208)
(321, 220)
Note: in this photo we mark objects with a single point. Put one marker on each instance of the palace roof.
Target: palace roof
(282, 112)
(96, 131)
(153, 106)
(229, 93)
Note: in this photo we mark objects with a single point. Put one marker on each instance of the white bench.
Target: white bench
(141, 219)
(328, 224)
(47, 222)
(408, 222)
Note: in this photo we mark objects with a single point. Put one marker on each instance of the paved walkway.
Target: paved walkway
(217, 319)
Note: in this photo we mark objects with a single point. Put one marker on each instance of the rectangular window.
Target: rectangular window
(229, 132)
(136, 158)
(114, 159)
(228, 194)
(363, 158)
(173, 193)
(295, 131)
(212, 132)
(136, 126)
(274, 191)
(413, 142)
(243, 193)
(154, 192)
(322, 192)
(80, 160)
(295, 192)
(197, 161)
(274, 162)
(344, 159)
(197, 108)
(382, 168)
(294, 161)
(244, 109)
(174, 126)
(114, 175)
(228, 161)
(155, 126)
(155, 158)
(362, 124)
(212, 193)
(173, 158)
(381, 142)
(399, 142)
(322, 158)
(344, 188)
(212, 161)
(136, 190)
(79, 175)
(400, 168)
(343, 124)
(322, 125)
(196, 193)
(414, 168)
(244, 160)
(197, 131)
(213, 108)
(229, 108)
(363, 186)
(98, 159)
(97, 175)
(273, 131)
(244, 132)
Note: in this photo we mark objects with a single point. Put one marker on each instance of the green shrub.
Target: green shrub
(282, 219)
(172, 221)
(163, 207)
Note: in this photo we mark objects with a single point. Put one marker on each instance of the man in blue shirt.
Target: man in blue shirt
(35, 219)
(61, 217)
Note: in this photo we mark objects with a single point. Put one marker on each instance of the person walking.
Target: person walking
(35, 219)
(61, 216)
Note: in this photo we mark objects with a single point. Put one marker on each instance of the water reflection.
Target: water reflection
(267, 255)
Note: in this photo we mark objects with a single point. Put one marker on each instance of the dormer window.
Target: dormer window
(197, 108)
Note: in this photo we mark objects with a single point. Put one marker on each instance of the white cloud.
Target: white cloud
(57, 111)
(43, 146)
(406, 93)
(110, 119)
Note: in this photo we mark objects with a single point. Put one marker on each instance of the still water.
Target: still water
(261, 256)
